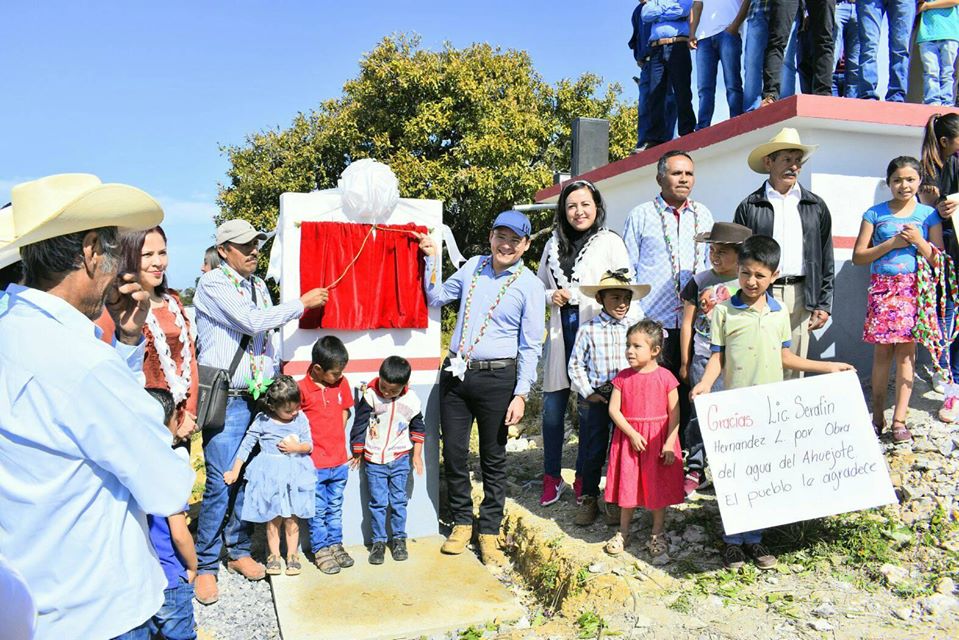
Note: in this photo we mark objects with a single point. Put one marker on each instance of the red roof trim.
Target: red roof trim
(300, 367)
(803, 106)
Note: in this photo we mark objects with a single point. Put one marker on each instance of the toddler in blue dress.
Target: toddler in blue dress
(280, 480)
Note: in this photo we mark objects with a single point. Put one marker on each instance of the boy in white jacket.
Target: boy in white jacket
(388, 425)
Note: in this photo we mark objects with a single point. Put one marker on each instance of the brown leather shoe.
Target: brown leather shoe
(490, 552)
(587, 512)
(459, 538)
(205, 589)
(247, 567)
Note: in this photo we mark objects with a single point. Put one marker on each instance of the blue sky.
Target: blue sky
(145, 93)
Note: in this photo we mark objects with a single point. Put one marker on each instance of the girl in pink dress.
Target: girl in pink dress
(645, 460)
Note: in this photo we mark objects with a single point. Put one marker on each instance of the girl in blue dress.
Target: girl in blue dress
(280, 481)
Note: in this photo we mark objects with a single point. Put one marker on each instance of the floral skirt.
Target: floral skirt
(891, 309)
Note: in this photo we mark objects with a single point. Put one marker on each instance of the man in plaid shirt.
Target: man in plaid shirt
(598, 355)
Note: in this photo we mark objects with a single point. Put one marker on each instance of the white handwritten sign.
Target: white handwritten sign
(792, 451)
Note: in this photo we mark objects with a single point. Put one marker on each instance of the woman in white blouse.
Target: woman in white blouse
(581, 249)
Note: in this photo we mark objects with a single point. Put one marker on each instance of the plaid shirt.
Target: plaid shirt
(757, 6)
(599, 353)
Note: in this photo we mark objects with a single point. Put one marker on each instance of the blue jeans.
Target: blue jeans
(754, 56)
(938, 71)
(950, 358)
(387, 484)
(326, 525)
(746, 537)
(219, 522)
(671, 68)
(696, 449)
(142, 632)
(900, 14)
(790, 63)
(594, 427)
(846, 36)
(174, 620)
(725, 48)
(642, 111)
(555, 402)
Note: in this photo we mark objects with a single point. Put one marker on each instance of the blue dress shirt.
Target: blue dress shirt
(84, 455)
(518, 323)
(670, 18)
(224, 316)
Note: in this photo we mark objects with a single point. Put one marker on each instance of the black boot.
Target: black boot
(398, 550)
(377, 552)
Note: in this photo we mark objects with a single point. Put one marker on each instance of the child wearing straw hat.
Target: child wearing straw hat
(700, 296)
(599, 353)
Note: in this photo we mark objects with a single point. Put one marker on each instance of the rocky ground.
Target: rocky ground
(887, 573)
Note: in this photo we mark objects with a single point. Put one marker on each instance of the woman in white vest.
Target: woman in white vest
(581, 249)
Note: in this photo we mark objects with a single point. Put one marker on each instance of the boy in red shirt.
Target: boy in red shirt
(327, 399)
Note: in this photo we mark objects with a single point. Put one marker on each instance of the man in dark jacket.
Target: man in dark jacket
(800, 222)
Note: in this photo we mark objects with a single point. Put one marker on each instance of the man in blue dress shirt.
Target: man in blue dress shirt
(488, 373)
(84, 454)
(670, 67)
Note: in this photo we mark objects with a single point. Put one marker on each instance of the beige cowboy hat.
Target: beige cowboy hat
(70, 202)
(615, 280)
(724, 233)
(787, 138)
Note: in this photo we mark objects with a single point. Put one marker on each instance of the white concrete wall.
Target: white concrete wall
(372, 346)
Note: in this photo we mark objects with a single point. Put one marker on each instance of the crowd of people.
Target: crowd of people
(639, 323)
(763, 44)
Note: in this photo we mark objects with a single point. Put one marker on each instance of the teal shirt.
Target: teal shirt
(938, 24)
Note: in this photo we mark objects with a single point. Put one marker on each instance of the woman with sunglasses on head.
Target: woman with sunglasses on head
(581, 249)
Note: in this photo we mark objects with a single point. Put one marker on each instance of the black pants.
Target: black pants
(670, 360)
(822, 20)
(670, 66)
(485, 396)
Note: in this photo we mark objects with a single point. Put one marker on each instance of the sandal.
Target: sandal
(273, 566)
(880, 426)
(899, 431)
(615, 545)
(293, 566)
(325, 561)
(657, 545)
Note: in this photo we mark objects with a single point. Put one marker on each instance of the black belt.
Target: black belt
(489, 365)
(790, 280)
(238, 393)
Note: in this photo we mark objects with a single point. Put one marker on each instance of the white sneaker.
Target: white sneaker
(938, 383)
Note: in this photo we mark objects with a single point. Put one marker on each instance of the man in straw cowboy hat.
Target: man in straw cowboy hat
(599, 353)
(84, 454)
(800, 222)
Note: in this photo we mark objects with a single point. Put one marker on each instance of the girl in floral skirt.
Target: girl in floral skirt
(890, 237)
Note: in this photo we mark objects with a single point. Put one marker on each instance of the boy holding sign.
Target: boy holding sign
(750, 336)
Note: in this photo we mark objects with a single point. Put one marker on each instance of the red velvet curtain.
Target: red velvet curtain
(382, 290)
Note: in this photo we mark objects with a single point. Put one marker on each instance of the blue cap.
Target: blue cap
(515, 221)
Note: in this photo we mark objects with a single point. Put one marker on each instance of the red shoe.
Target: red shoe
(578, 489)
(552, 490)
(691, 483)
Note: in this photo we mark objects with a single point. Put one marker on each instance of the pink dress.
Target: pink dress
(639, 478)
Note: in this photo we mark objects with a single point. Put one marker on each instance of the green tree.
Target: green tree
(477, 128)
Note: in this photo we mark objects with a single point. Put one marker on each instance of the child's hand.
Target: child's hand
(684, 372)
(190, 576)
(418, 465)
(910, 234)
(836, 367)
(699, 390)
(898, 241)
(638, 441)
(355, 462)
(285, 446)
(229, 477)
(668, 456)
(595, 397)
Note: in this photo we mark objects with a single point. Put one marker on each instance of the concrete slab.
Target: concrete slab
(429, 593)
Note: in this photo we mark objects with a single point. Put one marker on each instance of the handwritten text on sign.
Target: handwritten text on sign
(792, 451)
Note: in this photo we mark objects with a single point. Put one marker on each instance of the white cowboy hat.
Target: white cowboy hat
(787, 138)
(615, 280)
(70, 202)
